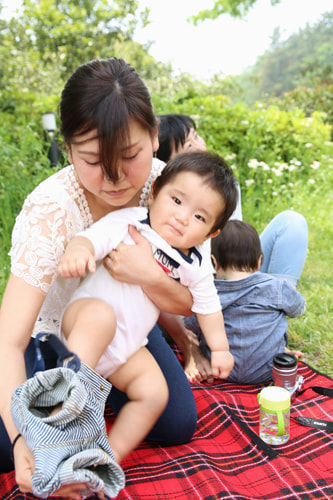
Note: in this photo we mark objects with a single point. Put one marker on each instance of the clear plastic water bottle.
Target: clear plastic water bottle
(284, 370)
(274, 420)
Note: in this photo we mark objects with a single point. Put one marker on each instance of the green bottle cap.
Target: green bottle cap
(274, 398)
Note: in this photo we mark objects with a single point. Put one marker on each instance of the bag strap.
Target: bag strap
(324, 391)
(52, 353)
(324, 425)
(266, 448)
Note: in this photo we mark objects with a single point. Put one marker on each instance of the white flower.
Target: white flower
(308, 145)
(249, 182)
(230, 156)
(315, 165)
(296, 162)
(264, 166)
(253, 163)
(311, 181)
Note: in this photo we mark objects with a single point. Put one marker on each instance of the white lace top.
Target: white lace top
(51, 215)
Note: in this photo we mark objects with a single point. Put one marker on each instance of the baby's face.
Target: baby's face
(185, 210)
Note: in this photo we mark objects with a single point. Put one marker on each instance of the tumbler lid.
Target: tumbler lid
(284, 360)
(274, 398)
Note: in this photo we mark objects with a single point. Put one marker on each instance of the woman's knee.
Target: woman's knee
(294, 221)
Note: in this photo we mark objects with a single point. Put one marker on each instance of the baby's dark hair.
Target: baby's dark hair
(173, 130)
(215, 172)
(237, 246)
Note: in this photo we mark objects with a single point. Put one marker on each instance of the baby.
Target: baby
(107, 322)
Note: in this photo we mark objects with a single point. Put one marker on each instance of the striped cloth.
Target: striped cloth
(223, 460)
(71, 444)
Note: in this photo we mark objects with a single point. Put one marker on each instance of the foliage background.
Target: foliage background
(274, 127)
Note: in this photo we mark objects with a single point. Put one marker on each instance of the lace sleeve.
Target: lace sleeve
(41, 233)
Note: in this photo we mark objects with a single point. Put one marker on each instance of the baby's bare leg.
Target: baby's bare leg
(89, 325)
(144, 383)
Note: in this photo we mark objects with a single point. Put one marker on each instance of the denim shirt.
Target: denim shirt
(254, 310)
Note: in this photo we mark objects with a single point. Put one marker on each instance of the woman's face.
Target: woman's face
(134, 165)
(193, 142)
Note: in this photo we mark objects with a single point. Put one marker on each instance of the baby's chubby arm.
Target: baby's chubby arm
(212, 326)
(79, 257)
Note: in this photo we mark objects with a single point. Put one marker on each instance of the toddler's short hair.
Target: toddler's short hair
(237, 246)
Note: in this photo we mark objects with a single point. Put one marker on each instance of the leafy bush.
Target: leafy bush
(23, 164)
(272, 150)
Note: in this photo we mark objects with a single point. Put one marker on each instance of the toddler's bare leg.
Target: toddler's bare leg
(142, 380)
(89, 326)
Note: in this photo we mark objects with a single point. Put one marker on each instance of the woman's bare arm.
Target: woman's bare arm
(19, 310)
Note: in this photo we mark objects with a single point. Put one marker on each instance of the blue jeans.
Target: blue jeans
(175, 426)
(284, 243)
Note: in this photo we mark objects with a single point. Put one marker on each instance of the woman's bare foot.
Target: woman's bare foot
(197, 367)
(298, 354)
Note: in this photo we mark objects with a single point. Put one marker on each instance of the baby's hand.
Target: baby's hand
(78, 257)
(222, 363)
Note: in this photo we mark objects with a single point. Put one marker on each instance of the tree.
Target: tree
(47, 39)
(68, 33)
(236, 8)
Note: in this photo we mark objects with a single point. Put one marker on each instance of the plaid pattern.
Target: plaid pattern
(224, 461)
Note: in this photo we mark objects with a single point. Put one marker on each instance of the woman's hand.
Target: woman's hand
(132, 263)
(24, 468)
(24, 465)
(136, 264)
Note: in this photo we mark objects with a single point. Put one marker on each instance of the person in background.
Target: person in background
(177, 133)
(254, 304)
(109, 127)
(284, 241)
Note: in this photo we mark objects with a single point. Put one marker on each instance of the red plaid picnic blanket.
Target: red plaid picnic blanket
(226, 459)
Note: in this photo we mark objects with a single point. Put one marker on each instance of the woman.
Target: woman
(284, 241)
(110, 132)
